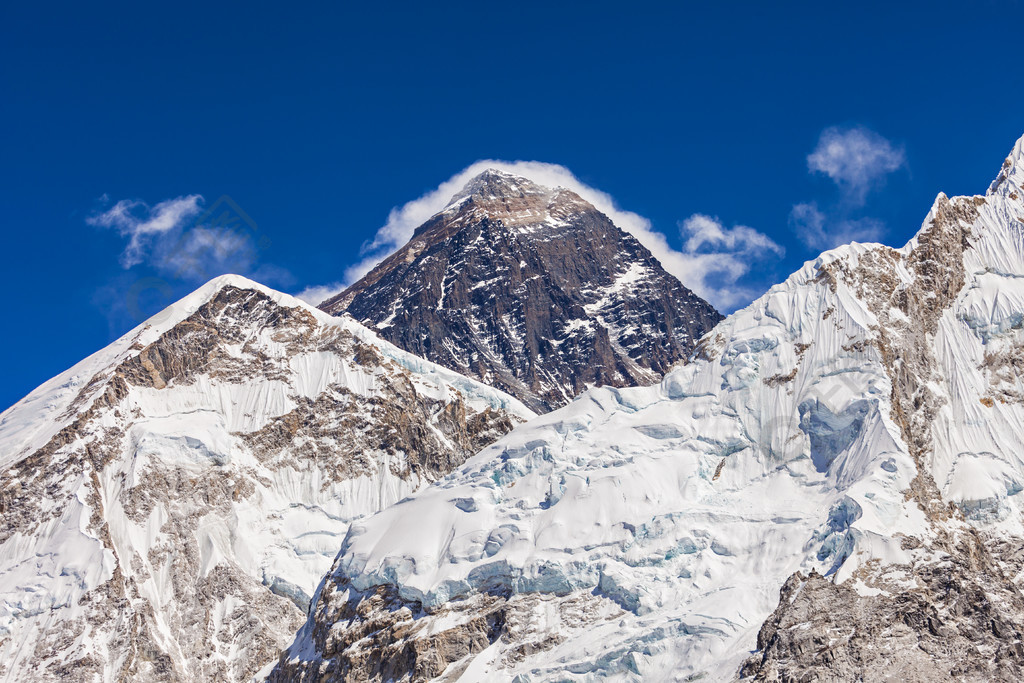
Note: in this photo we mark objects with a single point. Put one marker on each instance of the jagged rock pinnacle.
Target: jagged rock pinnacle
(1011, 175)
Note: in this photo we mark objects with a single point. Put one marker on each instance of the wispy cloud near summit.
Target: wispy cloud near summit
(820, 232)
(717, 258)
(710, 263)
(141, 223)
(172, 246)
(403, 220)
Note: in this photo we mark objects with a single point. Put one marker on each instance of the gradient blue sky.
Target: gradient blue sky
(318, 121)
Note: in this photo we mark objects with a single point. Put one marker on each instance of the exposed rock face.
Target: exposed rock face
(388, 638)
(854, 437)
(963, 616)
(169, 505)
(379, 648)
(963, 621)
(531, 290)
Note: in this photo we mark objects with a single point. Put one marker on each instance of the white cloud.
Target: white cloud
(697, 267)
(201, 253)
(715, 259)
(701, 231)
(808, 222)
(403, 220)
(317, 294)
(855, 159)
(141, 223)
(818, 232)
(173, 242)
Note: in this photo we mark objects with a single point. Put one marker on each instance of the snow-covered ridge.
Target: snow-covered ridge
(827, 427)
(181, 492)
(33, 420)
(1011, 176)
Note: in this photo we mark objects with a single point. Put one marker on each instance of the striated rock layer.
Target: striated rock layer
(531, 290)
(168, 505)
(853, 439)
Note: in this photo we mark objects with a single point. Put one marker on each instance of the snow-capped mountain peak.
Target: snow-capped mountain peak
(1011, 175)
(493, 183)
(169, 503)
(530, 289)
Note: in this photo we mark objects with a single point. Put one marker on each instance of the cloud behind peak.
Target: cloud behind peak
(856, 159)
(709, 263)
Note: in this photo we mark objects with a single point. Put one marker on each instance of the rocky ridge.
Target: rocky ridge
(532, 290)
(169, 504)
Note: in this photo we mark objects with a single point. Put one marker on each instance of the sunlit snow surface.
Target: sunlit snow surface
(285, 535)
(688, 504)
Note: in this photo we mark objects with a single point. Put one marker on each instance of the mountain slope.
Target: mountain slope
(853, 438)
(169, 504)
(532, 290)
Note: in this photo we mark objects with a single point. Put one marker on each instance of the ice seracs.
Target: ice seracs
(853, 438)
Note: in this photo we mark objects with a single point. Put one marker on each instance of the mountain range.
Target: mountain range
(520, 450)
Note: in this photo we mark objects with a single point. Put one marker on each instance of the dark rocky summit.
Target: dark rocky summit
(531, 290)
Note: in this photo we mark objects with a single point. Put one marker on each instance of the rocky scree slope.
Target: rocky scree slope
(531, 290)
(168, 505)
(854, 439)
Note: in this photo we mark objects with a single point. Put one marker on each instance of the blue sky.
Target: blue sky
(749, 137)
